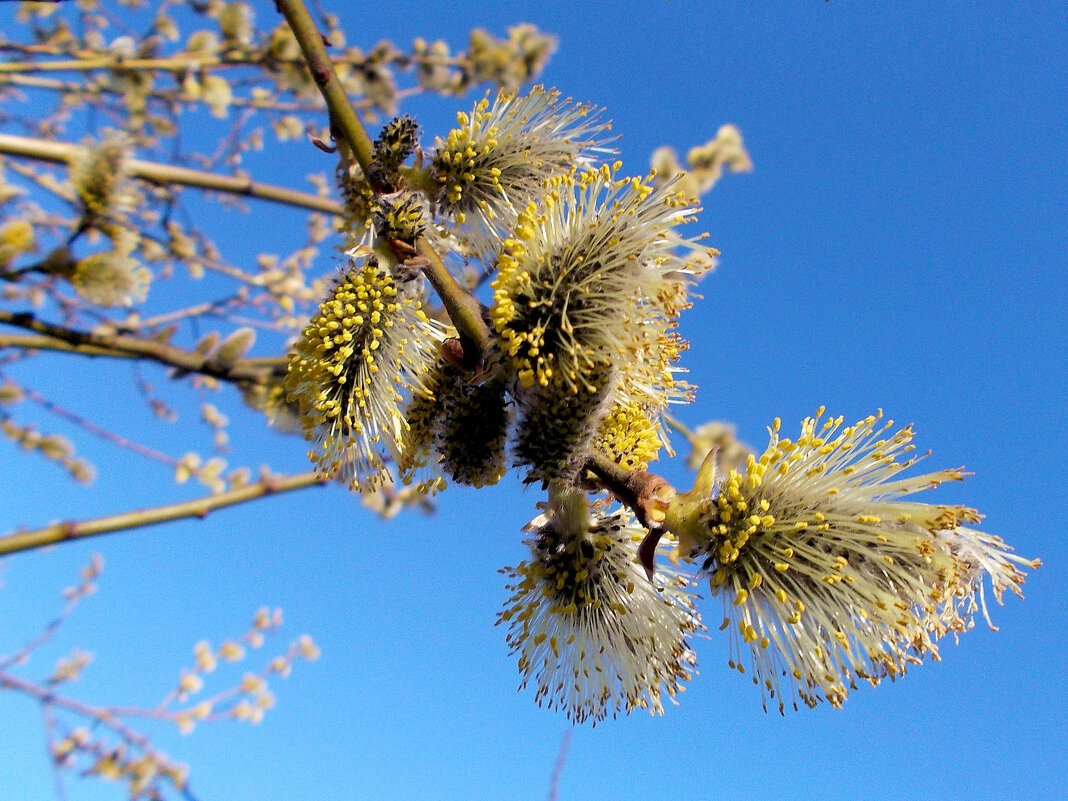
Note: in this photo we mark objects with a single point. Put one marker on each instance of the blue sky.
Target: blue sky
(900, 244)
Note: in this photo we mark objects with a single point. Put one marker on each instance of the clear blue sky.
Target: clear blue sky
(901, 244)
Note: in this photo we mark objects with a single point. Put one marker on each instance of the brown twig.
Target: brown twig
(49, 631)
(343, 118)
(558, 767)
(645, 493)
(98, 431)
(125, 346)
(102, 716)
(40, 342)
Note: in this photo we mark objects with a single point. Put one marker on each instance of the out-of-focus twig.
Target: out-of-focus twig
(201, 507)
(558, 767)
(63, 152)
(91, 343)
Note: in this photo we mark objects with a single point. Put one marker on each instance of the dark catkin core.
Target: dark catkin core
(402, 218)
(463, 426)
(396, 143)
(473, 432)
(576, 567)
(563, 292)
(557, 427)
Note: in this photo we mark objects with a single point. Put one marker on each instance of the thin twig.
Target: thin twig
(177, 95)
(209, 307)
(558, 767)
(201, 507)
(100, 715)
(40, 342)
(64, 152)
(50, 734)
(98, 431)
(45, 636)
(126, 346)
(184, 62)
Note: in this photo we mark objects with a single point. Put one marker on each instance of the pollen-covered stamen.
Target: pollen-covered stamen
(594, 634)
(828, 577)
(367, 347)
(499, 157)
(579, 284)
(459, 427)
(401, 218)
(628, 436)
(648, 376)
(358, 200)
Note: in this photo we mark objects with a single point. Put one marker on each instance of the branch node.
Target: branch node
(645, 493)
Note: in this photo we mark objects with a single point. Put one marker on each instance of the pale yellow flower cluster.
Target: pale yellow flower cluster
(497, 160)
(592, 632)
(368, 345)
(586, 299)
(828, 577)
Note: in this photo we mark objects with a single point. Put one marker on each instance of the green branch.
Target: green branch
(463, 309)
(344, 122)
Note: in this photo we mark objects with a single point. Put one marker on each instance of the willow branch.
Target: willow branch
(208, 307)
(179, 63)
(48, 695)
(41, 342)
(558, 767)
(201, 507)
(343, 118)
(74, 597)
(178, 95)
(90, 343)
(98, 431)
(645, 493)
(184, 62)
(64, 152)
(463, 309)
